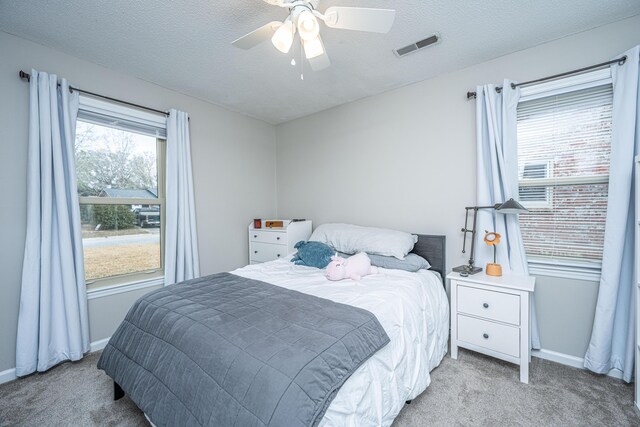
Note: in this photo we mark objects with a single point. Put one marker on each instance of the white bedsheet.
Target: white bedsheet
(414, 311)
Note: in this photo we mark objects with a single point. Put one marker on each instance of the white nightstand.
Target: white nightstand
(491, 315)
(267, 244)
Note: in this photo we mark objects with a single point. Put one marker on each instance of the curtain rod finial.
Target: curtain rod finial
(24, 76)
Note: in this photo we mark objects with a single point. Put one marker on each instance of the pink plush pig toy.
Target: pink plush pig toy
(354, 267)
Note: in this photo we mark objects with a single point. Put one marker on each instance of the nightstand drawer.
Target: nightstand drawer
(492, 305)
(275, 237)
(266, 251)
(493, 336)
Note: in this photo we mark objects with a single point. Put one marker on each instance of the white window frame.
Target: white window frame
(112, 285)
(565, 268)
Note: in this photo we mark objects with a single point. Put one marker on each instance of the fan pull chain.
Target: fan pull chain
(293, 51)
(301, 60)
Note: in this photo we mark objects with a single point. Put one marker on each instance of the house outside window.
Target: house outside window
(120, 170)
(535, 196)
(564, 147)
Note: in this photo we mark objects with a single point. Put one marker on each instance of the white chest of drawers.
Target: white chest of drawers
(268, 244)
(491, 315)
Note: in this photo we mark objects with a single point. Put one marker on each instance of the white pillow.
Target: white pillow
(351, 239)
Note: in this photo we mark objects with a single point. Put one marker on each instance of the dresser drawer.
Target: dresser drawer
(276, 237)
(493, 336)
(266, 251)
(489, 304)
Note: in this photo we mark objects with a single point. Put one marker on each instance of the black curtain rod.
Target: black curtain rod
(27, 77)
(619, 61)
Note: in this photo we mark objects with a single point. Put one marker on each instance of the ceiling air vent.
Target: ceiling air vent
(429, 41)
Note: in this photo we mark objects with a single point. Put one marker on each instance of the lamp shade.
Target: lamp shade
(511, 207)
(313, 48)
(308, 26)
(283, 37)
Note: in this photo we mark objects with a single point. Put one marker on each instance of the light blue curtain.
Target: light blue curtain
(181, 243)
(497, 181)
(613, 335)
(52, 321)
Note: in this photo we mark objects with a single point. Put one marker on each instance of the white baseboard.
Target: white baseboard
(10, 374)
(99, 345)
(562, 358)
(567, 359)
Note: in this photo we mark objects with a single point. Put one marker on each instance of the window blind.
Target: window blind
(564, 148)
(121, 117)
(136, 126)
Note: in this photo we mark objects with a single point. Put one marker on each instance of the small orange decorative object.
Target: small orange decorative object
(274, 224)
(492, 239)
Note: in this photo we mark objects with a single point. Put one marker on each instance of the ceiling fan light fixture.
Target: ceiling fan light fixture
(313, 48)
(308, 26)
(283, 37)
(304, 17)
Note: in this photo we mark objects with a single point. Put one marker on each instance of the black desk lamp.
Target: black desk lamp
(509, 207)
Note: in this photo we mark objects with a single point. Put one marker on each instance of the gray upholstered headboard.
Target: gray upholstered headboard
(433, 249)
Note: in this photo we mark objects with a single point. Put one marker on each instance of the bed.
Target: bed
(411, 308)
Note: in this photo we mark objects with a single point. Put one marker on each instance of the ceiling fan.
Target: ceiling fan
(303, 19)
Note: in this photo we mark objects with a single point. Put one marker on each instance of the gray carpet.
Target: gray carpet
(473, 391)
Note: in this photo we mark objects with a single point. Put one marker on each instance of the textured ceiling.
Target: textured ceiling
(185, 45)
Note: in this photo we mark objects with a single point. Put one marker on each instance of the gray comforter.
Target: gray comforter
(225, 350)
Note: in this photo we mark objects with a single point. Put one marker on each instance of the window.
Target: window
(534, 196)
(564, 147)
(119, 165)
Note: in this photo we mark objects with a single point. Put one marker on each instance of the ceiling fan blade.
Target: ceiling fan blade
(360, 18)
(256, 37)
(321, 61)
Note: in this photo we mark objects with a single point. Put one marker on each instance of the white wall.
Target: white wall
(406, 160)
(233, 164)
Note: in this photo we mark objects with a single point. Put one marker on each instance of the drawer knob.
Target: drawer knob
(486, 336)
(255, 236)
(278, 255)
(255, 252)
(277, 238)
(485, 305)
